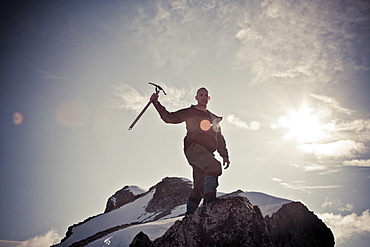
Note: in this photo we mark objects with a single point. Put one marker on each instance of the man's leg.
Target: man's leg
(199, 156)
(210, 188)
(197, 193)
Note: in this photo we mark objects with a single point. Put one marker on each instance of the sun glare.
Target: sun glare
(303, 125)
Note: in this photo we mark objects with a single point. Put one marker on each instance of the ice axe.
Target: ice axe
(157, 91)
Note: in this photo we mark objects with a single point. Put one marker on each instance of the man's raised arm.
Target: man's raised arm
(166, 116)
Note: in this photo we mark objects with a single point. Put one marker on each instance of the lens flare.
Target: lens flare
(72, 113)
(18, 118)
(205, 125)
(255, 125)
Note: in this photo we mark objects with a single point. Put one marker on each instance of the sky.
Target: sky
(290, 78)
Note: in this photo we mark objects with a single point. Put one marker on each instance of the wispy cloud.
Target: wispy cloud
(323, 169)
(237, 122)
(314, 167)
(302, 185)
(349, 227)
(128, 98)
(48, 239)
(333, 103)
(360, 163)
(336, 204)
(167, 30)
(318, 52)
(256, 36)
(338, 149)
(48, 75)
(360, 126)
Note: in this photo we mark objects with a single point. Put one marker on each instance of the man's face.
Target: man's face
(202, 97)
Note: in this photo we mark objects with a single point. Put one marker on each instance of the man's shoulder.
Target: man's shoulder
(195, 110)
(187, 108)
(215, 116)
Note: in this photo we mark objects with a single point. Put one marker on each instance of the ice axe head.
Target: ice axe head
(158, 88)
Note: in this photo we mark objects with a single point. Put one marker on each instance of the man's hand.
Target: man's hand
(226, 163)
(154, 98)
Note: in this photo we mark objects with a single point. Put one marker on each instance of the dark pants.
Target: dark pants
(206, 170)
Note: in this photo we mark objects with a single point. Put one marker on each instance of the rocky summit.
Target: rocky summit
(234, 221)
(225, 222)
(155, 217)
(293, 225)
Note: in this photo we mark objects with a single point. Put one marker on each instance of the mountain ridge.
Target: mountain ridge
(131, 209)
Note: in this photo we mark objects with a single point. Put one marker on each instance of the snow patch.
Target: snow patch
(129, 213)
(125, 236)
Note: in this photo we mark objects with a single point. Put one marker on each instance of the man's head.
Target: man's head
(202, 96)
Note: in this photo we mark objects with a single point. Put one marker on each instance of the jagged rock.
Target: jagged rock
(229, 221)
(233, 221)
(293, 225)
(141, 239)
(120, 198)
(169, 193)
(225, 222)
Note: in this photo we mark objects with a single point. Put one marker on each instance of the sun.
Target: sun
(302, 125)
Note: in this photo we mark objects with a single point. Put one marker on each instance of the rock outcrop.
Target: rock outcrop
(235, 222)
(120, 198)
(232, 220)
(169, 193)
(293, 225)
(226, 222)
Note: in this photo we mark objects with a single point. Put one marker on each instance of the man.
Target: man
(203, 138)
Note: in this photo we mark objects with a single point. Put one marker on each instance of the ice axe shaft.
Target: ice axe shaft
(139, 116)
(157, 90)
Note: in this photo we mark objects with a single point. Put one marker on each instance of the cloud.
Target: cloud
(47, 75)
(290, 41)
(358, 125)
(360, 163)
(301, 185)
(6, 243)
(322, 169)
(314, 167)
(336, 204)
(237, 122)
(48, 239)
(332, 102)
(349, 227)
(301, 42)
(276, 179)
(234, 120)
(128, 98)
(168, 30)
(338, 149)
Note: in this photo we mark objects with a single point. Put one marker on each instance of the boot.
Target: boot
(191, 205)
(209, 196)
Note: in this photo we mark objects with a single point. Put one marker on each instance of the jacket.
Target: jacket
(202, 127)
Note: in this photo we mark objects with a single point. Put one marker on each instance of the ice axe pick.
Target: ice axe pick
(157, 91)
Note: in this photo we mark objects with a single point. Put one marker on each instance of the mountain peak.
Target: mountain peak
(169, 193)
(225, 222)
(131, 210)
(234, 221)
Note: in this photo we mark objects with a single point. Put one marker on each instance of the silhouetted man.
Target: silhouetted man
(202, 139)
